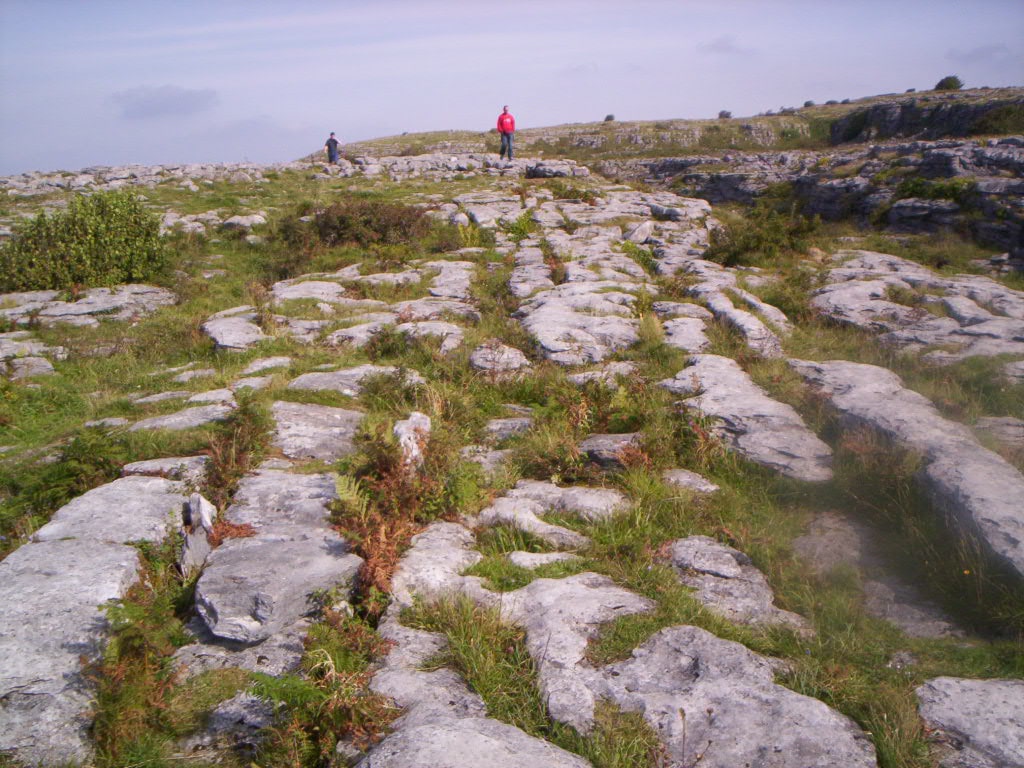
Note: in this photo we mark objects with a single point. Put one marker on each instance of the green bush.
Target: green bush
(103, 239)
(949, 83)
(366, 223)
(771, 229)
(962, 191)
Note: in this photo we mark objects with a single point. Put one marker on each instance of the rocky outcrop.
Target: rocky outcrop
(976, 487)
(756, 426)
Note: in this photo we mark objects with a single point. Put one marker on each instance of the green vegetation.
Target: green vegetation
(143, 707)
(949, 83)
(773, 228)
(491, 655)
(100, 240)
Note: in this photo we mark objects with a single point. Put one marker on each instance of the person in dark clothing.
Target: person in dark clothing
(506, 127)
(331, 145)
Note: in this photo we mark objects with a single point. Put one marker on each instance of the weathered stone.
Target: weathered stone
(726, 581)
(235, 727)
(560, 617)
(189, 469)
(468, 743)
(980, 489)
(976, 723)
(1006, 429)
(502, 429)
(28, 367)
(251, 589)
(134, 508)
(266, 363)
(233, 333)
(190, 418)
(761, 429)
(223, 396)
(583, 501)
(433, 565)
(607, 450)
(715, 703)
(306, 431)
(159, 397)
(123, 302)
(413, 434)
(348, 381)
(498, 358)
(51, 598)
(684, 478)
(531, 560)
(199, 515)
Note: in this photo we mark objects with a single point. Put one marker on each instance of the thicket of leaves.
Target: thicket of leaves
(100, 240)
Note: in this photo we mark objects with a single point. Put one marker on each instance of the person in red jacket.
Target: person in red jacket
(506, 127)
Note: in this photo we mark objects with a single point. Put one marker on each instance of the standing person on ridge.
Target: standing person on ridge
(331, 145)
(506, 127)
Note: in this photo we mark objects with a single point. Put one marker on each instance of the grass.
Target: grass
(143, 708)
(492, 657)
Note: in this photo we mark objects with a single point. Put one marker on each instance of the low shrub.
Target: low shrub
(949, 83)
(773, 228)
(724, 114)
(100, 240)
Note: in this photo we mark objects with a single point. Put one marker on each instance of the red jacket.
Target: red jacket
(506, 123)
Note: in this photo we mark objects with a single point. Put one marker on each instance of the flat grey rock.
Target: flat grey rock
(223, 396)
(583, 501)
(502, 429)
(608, 374)
(279, 654)
(976, 723)
(686, 333)
(425, 696)
(128, 509)
(525, 515)
(348, 381)
(189, 469)
(606, 450)
(727, 582)
(189, 418)
(160, 397)
(498, 358)
(561, 616)
(714, 703)
(684, 478)
(979, 488)
(531, 560)
(753, 424)
(979, 315)
(1006, 429)
(233, 333)
(432, 567)
(28, 367)
(123, 302)
(251, 382)
(468, 743)
(314, 431)
(51, 595)
(265, 364)
(252, 589)
(450, 334)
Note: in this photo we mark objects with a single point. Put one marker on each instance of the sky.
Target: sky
(112, 82)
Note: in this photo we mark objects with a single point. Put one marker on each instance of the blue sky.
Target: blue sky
(105, 82)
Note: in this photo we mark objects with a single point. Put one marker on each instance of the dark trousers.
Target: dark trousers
(506, 145)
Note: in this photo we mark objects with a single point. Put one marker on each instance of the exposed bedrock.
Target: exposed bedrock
(756, 426)
(982, 491)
